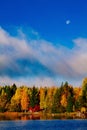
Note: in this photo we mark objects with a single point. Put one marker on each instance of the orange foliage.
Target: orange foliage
(63, 100)
(77, 92)
(25, 100)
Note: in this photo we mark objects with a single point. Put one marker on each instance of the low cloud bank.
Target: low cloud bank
(27, 59)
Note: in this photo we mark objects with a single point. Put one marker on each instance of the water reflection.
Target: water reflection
(30, 117)
(40, 116)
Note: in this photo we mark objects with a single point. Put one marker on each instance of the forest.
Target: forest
(65, 98)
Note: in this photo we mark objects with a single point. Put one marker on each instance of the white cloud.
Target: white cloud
(79, 57)
(70, 64)
(35, 81)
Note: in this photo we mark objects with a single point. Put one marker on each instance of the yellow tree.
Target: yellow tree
(3, 101)
(16, 101)
(50, 97)
(25, 100)
(46, 98)
(77, 92)
(42, 100)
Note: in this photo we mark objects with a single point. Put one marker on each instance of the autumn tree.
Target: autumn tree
(78, 97)
(56, 107)
(45, 98)
(42, 98)
(25, 100)
(16, 100)
(3, 100)
(63, 100)
(84, 92)
(50, 98)
(68, 101)
(64, 95)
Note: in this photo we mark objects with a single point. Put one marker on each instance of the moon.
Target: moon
(68, 22)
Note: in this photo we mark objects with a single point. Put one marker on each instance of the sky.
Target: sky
(43, 42)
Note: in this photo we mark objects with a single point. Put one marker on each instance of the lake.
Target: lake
(44, 125)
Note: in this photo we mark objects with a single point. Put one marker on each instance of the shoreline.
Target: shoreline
(39, 115)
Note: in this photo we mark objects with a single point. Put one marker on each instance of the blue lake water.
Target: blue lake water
(44, 125)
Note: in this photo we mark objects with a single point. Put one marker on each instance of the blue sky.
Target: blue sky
(43, 42)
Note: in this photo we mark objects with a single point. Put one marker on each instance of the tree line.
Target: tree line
(65, 98)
